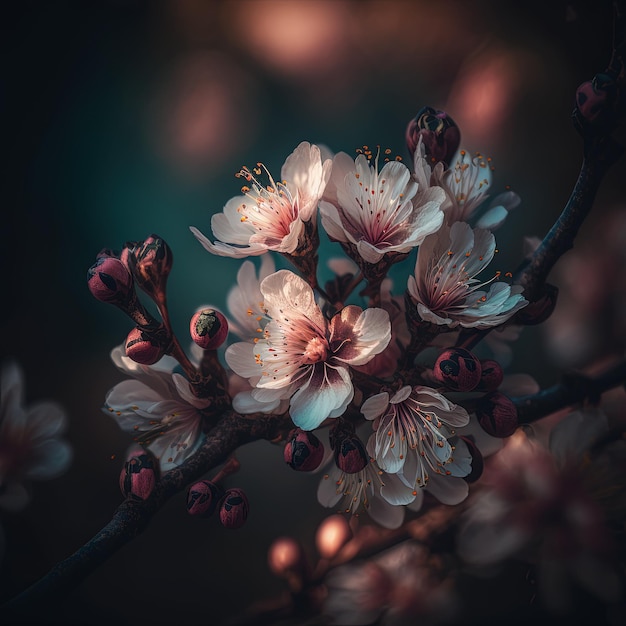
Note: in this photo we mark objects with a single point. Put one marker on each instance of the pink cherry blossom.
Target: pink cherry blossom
(303, 356)
(272, 216)
(378, 213)
(445, 289)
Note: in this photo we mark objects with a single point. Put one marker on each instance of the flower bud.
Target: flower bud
(458, 369)
(142, 347)
(208, 328)
(150, 262)
(478, 463)
(109, 280)
(332, 534)
(285, 556)
(234, 509)
(440, 135)
(596, 101)
(139, 475)
(202, 498)
(491, 375)
(303, 451)
(351, 456)
(497, 414)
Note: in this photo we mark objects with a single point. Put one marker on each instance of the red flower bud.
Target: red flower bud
(109, 280)
(150, 263)
(440, 135)
(234, 509)
(497, 414)
(303, 451)
(139, 475)
(208, 328)
(202, 498)
(458, 369)
(597, 102)
(491, 375)
(351, 456)
(142, 347)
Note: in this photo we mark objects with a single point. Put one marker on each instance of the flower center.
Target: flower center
(316, 350)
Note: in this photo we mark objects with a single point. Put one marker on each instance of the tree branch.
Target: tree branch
(574, 389)
(133, 515)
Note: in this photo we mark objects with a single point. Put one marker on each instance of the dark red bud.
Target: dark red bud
(440, 135)
(478, 463)
(109, 280)
(303, 451)
(497, 414)
(142, 347)
(139, 475)
(350, 455)
(234, 509)
(458, 369)
(491, 375)
(597, 101)
(203, 497)
(208, 328)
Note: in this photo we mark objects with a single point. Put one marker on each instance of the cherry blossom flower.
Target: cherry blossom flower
(413, 432)
(158, 406)
(31, 446)
(378, 213)
(273, 216)
(465, 184)
(445, 289)
(547, 505)
(380, 494)
(304, 357)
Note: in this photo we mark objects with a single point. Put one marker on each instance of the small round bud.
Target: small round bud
(142, 348)
(491, 375)
(458, 369)
(139, 475)
(597, 101)
(208, 328)
(303, 451)
(202, 498)
(497, 414)
(109, 280)
(234, 509)
(440, 135)
(150, 261)
(285, 556)
(332, 534)
(350, 455)
(478, 463)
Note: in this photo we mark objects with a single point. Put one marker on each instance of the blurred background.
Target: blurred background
(124, 118)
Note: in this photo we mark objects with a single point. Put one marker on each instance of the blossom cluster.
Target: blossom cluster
(330, 359)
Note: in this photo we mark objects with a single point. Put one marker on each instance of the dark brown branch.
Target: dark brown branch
(133, 515)
(574, 389)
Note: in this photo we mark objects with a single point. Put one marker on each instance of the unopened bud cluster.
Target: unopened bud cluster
(205, 497)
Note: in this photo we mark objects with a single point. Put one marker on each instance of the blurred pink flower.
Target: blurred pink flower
(31, 445)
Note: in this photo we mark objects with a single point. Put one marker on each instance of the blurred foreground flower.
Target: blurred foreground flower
(547, 507)
(31, 443)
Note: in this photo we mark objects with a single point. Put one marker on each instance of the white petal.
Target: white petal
(240, 358)
(447, 489)
(375, 406)
(313, 403)
(50, 458)
(493, 218)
